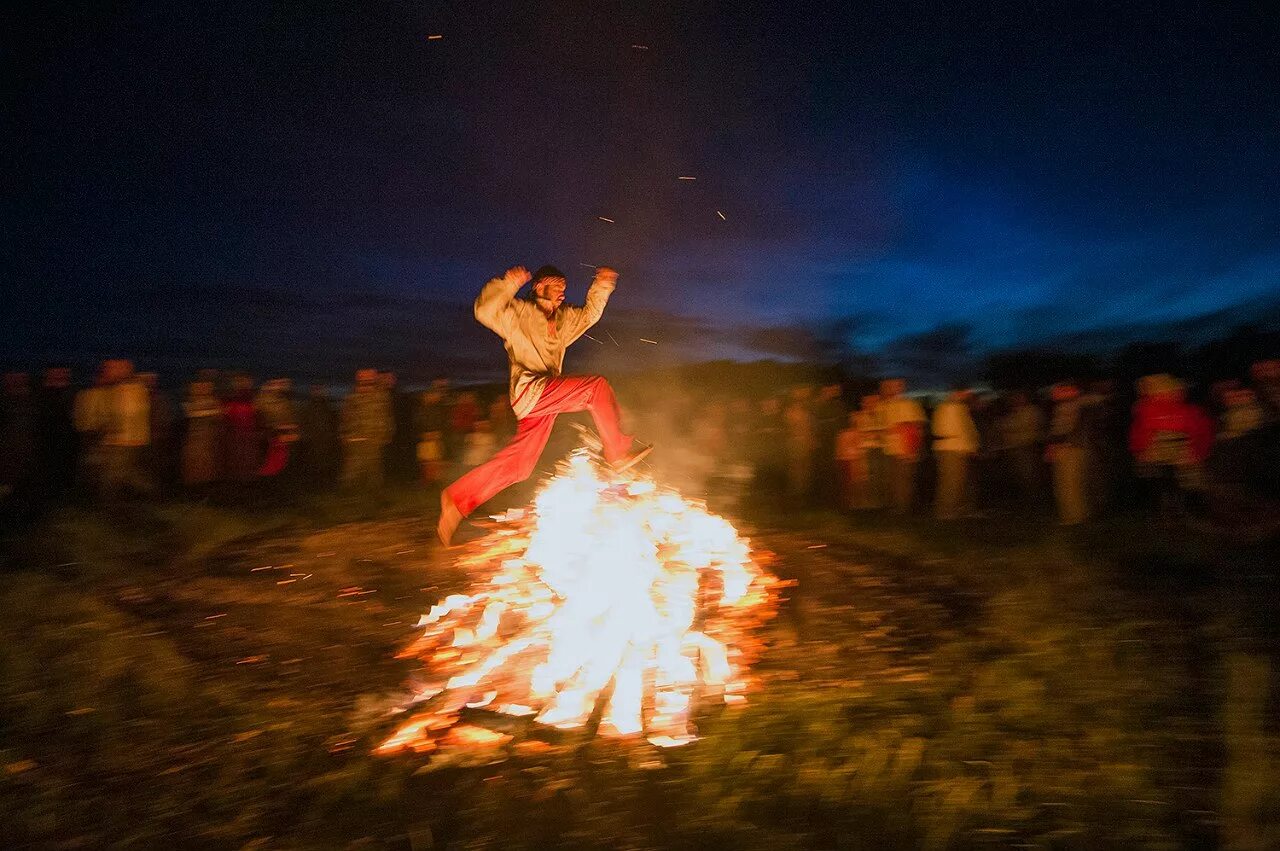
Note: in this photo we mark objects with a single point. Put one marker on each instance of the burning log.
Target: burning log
(610, 604)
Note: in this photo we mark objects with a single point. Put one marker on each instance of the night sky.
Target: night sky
(302, 187)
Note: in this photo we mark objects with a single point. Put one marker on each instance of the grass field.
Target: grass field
(183, 675)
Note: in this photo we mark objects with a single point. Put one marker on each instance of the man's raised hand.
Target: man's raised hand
(517, 275)
(606, 275)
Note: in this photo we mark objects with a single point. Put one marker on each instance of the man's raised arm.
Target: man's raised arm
(597, 297)
(493, 305)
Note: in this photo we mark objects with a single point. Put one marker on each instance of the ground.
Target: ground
(188, 675)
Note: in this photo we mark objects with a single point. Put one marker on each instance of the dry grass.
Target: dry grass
(161, 683)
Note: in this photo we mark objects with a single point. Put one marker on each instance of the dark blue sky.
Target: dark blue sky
(315, 184)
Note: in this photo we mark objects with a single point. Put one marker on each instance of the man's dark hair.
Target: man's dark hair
(547, 272)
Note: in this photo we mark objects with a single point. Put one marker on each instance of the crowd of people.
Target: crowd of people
(1071, 448)
(1076, 449)
(122, 436)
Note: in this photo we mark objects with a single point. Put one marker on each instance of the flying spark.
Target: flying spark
(686, 178)
(434, 37)
(603, 219)
(643, 340)
(721, 215)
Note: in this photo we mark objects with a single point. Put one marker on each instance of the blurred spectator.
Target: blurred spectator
(433, 423)
(770, 474)
(462, 419)
(1220, 394)
(955, 442)
(829, 417)
(736, 469)
(365, 429)
(431, 458)
(128, 434)
(709, 432)
(1240, 452)
(274, 411)
(202, 445)
(241, 419)
(1266, 383)
(799, 444)
(479, 446)
(1067, 453)
(502, 420)
(400, 452)
(871, 439)
(17, 435)
(902, 422)
(160, 455)
(1104, 456)
(1170, 439)
(386, 384)
(851, 466)
(56, 432)
(91, 416)
(985, 474)
(318, 438)
(739, 428)
(1242, 414)
(1021, 432)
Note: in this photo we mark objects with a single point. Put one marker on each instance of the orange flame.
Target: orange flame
(610, 598)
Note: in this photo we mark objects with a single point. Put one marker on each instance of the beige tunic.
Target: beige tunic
(535, 344)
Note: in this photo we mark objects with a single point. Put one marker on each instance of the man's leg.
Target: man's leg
(573, 393)
(513, 463)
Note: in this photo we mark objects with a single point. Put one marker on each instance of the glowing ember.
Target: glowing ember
(611, 602)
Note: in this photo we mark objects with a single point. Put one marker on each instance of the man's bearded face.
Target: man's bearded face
(549, 292)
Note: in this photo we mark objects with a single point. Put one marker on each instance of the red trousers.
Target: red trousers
(515, 461)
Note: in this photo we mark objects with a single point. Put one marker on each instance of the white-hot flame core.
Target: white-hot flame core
(611, 594)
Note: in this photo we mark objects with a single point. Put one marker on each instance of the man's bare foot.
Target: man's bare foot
(450, 517)
(626, 462)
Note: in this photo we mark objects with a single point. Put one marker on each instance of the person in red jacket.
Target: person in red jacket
(462, 421)
(242, 437)
(1170, 438)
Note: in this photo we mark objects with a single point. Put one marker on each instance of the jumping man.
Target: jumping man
(536, 331)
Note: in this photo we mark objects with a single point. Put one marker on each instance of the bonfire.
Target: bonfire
(610, 605)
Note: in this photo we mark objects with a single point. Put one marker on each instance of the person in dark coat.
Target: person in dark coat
(365, 426)
(462, 419)
(242, 443)
(202, 442)
(17, 435)
(318, 432)
(770, 472)
(276, 415)
(431, 427)
(829, 417)
(162, 453)
(400, 454)
(56, 433)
